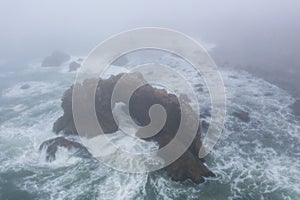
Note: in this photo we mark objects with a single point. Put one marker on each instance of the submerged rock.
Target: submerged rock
(188, 166)
(25, 86)
(56, 59)
(73, 66)
(242, 115)
(268, 94)
(204, 124)
(296, 107)
(52, 145)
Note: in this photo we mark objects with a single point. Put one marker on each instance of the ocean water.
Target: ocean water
(255, 160)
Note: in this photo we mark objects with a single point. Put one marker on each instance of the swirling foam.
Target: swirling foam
(252, 160)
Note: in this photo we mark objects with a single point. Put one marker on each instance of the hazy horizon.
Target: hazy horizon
(31, 29)
(246, 110)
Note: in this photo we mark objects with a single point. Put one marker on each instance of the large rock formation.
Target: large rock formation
(188, 166)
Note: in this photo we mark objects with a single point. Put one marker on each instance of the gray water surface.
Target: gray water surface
(255, 160)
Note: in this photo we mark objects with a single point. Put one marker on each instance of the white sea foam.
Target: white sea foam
(35, 88)
(252, 160)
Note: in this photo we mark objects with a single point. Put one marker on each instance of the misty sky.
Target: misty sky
(33, 28)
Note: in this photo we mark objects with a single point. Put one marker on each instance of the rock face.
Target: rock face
(73, 66)
(56, 59)
(52, 145)
(188, 166)
(242, 115)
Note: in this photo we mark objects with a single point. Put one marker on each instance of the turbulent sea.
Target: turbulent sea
(255, 160)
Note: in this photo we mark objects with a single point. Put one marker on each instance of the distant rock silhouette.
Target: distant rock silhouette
(56, 59)
(73, 66)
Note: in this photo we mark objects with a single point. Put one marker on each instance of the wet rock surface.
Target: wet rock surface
(51, 146)
(204, 124)
(73, 66)
(188, 166)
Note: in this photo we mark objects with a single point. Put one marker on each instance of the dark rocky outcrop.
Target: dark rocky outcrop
(52, 145)
(188, 166)
(204, 124)
(242, 115)
(73, 66)
(56, 59)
